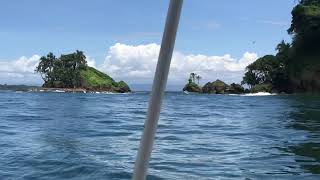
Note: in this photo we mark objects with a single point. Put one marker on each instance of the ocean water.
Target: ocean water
(95, 136)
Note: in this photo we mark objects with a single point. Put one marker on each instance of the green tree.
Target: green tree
(80, 59)
(193, 77)
(263, 70)
(64, 71)
(305, 26)
(250, 79)
(46, 66)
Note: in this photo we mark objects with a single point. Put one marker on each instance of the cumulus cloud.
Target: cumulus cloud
(91, 62)
(137, 64)
(22, 65)
(20, 71)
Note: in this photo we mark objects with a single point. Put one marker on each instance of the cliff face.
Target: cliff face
(216, 87)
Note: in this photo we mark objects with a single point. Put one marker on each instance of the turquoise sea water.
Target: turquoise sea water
(95, 136)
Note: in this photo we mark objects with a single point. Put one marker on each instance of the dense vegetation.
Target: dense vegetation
(72, 71)
(296, 66)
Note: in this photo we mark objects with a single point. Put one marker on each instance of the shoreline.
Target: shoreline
(71, 90)
(63, 90)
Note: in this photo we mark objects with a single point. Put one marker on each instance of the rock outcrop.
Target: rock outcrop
(216, 87)
(236, 89)
(192, 87)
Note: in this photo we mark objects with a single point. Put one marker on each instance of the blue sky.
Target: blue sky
(208, 27)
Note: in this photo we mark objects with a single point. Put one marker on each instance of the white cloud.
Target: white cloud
(22, 65)
(20, 71)
(91, 62)
(137, 64)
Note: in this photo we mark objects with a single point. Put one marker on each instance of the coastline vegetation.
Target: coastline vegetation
(296, 65)
(294, 68)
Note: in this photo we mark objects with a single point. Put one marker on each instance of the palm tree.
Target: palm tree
(45, 66)
(80, 59)
(198, 77)
(283, 47)
(193, 77)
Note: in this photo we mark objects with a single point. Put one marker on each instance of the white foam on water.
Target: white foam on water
(59, 91)
(259, 94)
(108, 92)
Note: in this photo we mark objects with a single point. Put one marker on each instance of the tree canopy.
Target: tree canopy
(64, 70)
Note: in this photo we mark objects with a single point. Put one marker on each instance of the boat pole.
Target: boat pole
(159, 85)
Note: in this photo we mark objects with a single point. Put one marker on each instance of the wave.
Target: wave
(106, 92)
(59, 91)
(259, 94)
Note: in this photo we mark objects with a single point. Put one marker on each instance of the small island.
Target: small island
(70, 73)
(216, 87)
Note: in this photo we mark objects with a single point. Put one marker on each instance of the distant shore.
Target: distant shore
(71, 90)
(25, 88)
(80, 90)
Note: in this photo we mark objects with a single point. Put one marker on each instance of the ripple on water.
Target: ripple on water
(96, 136)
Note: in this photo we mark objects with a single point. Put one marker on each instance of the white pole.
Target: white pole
(159, 84)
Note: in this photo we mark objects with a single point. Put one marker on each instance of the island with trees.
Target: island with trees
(216, 87)
(70, 72)
(295, 68)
